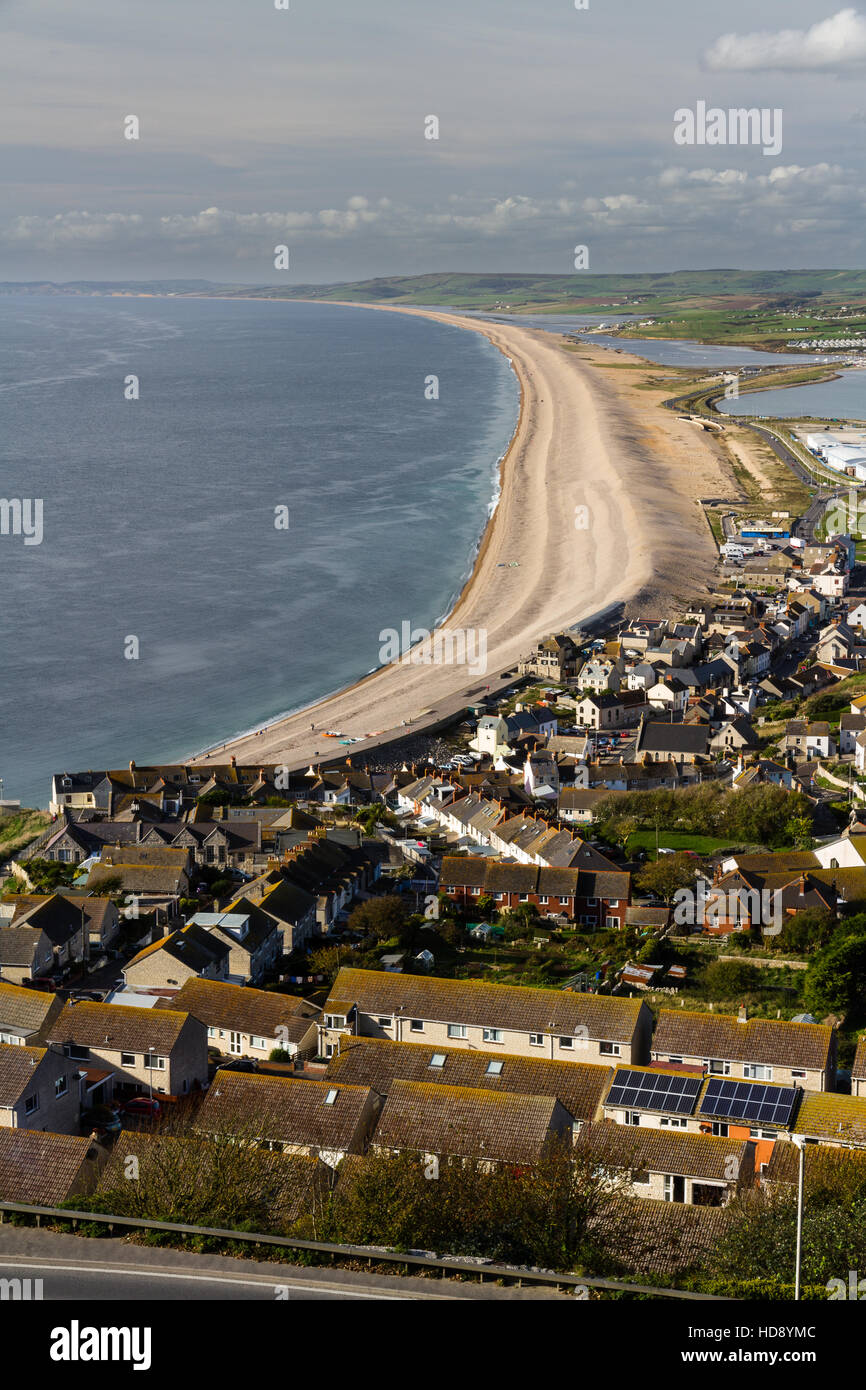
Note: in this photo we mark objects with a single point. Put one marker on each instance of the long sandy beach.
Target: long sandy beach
(598, 505)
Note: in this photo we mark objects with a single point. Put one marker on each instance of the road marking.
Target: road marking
(151, 1272)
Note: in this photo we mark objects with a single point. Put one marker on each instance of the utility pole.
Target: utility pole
(801, 1145)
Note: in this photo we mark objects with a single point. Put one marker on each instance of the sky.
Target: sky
(307, 126)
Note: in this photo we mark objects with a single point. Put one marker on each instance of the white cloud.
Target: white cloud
(832, 44)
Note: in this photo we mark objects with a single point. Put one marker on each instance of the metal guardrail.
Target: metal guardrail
(410, 1260)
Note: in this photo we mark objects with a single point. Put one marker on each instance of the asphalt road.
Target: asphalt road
(113, 1270)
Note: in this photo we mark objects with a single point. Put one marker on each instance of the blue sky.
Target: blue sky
(305, 127)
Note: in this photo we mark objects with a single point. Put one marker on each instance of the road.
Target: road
(112, 1270)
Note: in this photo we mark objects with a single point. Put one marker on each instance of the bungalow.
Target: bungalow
(755, 1049)
(243, 1022)
(143, 1049)
(316, 1119)
(379, 1063)
(673, 1167)
(44, 1169)
(460, 1123)
(25, 1014)
(498, 1019)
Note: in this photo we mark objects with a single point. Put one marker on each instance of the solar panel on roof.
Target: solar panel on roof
(752, 1101)
(654, 1091)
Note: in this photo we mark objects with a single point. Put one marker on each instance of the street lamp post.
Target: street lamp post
(800, 1143)
(150, 1070)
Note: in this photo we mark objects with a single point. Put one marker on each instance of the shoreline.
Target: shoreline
(563, 455)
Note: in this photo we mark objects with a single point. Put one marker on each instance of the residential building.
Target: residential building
(496, 1019)
(459, 1123)
(244, 1022)
(39, 1089)
(312, 1118)
(143, 1049)
(44, 1169)
(755, 1049)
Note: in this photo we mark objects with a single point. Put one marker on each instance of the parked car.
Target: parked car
(146, 1106)
(92, 995)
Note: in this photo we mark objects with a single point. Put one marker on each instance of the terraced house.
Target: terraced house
(594, 897)
(243, 1022)
(757, 1049)
(497, 1019)
(670, 1167)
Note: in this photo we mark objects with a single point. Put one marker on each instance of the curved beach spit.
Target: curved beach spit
(598, 505)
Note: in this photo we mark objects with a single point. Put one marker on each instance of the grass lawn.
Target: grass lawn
(677, 839)
(18, 830)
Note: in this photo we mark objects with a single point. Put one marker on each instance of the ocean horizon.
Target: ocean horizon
(228, 547)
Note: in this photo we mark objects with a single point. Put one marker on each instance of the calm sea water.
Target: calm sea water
(843, 399)
(159, 514)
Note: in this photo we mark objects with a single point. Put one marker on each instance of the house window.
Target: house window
(612, 922)
(257, 1042)
(384, 1022)
(437, 1061)
(154, 1063)
(335, 1020)
(78, 1054)
(720, 1129)
(640, 1177)
(524, 897)
(566, 1042)
(536, 1040)
(799, 1075)
(476, 892)
(674, 1122)
(492, 1035)
(544, 900)
(753, 1071)
(631, 1117)
(416, 1025)
(494, 1068)
(127, 1059)
(609, 1049)
(331, 1097)
(457, 1030)
(762, 1134)
(719, 1068)
(61, 1086)
(31, 1104)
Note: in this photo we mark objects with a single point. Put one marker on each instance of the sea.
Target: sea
(238, 498)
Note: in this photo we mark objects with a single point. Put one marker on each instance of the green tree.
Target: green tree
(836, 978)
(379, 917)
(667, 874)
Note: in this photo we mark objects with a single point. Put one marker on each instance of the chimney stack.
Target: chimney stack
(742, 1014)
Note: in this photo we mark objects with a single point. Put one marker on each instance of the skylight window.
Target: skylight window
(331, 1097)
(437, 1060)
(494, 1068)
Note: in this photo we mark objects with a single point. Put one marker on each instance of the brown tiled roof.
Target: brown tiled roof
(665, 1151)
(858, 1071)
(29, 1010)
(118, 1028)
(487, 1005)
(460, 1120)
(371, 1062)
(458, 872)
(257, 1011)
(651, 1236)
(285, 1109)
(772, 1041)
(18, 1066)
(39, 1167)
(835, 1118)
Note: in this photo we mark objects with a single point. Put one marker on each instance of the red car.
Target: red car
(142, 1105)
